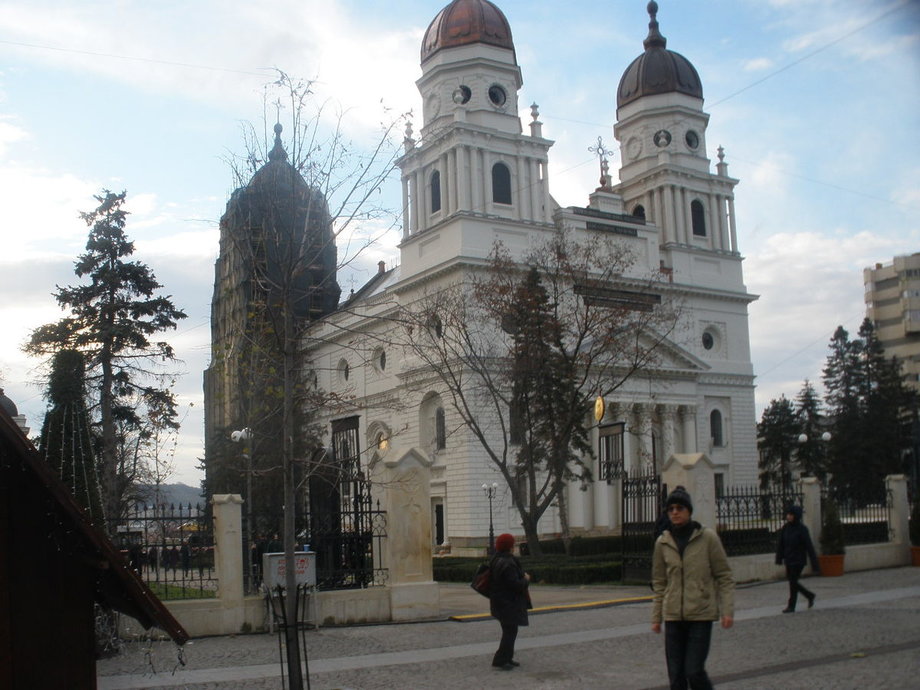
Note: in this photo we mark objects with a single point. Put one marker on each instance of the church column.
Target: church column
(448, 184)
(407, 229)
(668, 218)
(534, 188)
(486, 180)
(688, 423)
(731, 224)
(413, 203)
(680, 235)
(547, 214)
(668, 420)
(643, 432)
(463, 185)
(716, 223)
(519, 195)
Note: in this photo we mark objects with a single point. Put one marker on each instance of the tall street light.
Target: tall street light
(244, 436)
(490, 490)
(826, 437)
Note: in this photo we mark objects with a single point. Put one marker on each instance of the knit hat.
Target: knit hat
(504, 542)
(680, 497)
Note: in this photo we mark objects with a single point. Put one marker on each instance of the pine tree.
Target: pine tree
(843, 377)
(811, 454)
(777, 432)
(111, 321)
(66, 440)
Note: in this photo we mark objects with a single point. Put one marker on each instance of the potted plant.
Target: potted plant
(832, 543)
(915, 533)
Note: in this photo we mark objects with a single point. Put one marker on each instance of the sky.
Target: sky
(816, 103)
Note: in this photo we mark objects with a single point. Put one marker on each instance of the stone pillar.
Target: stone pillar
(811, 506)
(688, 419)
(228, 559)
(668, 419)
(899, 512)
(643, 414)
(413, 592)
(405, 208)
(695, 472)
(731, 224)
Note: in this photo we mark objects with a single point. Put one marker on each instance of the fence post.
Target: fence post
(899, 513)
(228, 549)
(811, 506)
(695, 472)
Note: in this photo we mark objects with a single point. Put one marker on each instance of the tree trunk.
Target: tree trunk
(291, 600)
(108, 472)
(564, 518)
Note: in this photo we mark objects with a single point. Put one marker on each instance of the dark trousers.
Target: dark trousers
(686, 646)
(505, 652)
(793, 573)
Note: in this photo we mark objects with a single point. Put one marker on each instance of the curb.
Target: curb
(469, 617)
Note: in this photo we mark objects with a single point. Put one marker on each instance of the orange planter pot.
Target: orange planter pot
(831, 566)
(915, 556)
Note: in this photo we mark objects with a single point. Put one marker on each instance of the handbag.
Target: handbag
(482, 580)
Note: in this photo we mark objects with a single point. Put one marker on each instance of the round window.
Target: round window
(692, 139)
(462, 94)
(708, 341)
(497, 95)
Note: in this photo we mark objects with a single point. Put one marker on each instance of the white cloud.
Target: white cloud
(10, 134)
(758, 64)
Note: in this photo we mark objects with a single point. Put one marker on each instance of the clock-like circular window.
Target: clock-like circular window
(692, 139)
(708, 341)
(462, 94)
(497, 95)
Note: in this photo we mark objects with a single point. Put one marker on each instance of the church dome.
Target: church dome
(464, 22)
(658, 70)
(8, 405)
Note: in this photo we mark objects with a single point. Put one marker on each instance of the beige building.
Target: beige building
(893, 305)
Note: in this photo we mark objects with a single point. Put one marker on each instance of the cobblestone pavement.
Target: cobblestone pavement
(864, 632)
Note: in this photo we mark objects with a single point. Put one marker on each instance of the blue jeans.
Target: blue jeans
(686, 646)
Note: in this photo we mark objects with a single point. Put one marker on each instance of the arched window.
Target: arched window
(440, 429)
(715, 429)
(698, 217)
(435, 191)
(639, 211)
(501, 184)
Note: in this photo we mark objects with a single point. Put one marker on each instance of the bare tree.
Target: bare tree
(284, 236)
(523, 347)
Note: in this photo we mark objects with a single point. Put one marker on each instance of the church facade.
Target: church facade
(476, 176)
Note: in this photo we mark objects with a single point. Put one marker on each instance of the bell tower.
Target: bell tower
(661, 127)
(473, 169)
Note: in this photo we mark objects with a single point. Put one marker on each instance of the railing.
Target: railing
(865, 513)
(171, 547)
(748, 517)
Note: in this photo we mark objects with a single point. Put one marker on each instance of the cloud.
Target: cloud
(757, 64)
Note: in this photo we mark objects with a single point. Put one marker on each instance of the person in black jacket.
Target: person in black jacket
(508, 599)
(792, 547)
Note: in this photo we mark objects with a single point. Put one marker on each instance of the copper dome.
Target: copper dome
(657, 70)
(464, 22)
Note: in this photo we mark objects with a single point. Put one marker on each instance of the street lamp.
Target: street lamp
(826, 436)
(243, 436)
(489, 490)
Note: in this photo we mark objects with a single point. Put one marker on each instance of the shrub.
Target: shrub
(832, 541)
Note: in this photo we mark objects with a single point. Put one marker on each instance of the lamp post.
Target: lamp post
(490, 490)
(825, 437)
(244, 436)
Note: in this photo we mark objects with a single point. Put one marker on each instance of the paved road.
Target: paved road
(864, 632)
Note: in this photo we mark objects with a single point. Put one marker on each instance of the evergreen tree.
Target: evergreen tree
(843, 384)
(777, 432)
(811, 454)
(66, 440)
(111, 321)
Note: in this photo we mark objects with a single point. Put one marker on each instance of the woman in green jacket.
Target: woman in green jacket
(693, 588)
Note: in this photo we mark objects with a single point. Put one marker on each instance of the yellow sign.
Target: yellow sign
(599, 408)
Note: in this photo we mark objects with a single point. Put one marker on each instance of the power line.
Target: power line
(132, 58)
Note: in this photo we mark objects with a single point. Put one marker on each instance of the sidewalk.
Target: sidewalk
(863, 632)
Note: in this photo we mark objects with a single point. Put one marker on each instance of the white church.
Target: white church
(475, 175)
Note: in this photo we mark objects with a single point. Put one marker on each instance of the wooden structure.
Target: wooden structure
(54, 564)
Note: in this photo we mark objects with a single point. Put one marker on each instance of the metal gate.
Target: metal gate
(641, 500)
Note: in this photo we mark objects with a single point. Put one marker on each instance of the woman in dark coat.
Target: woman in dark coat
(793, 545)
(508, 599)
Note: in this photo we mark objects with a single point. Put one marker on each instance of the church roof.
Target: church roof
(464, 22)
(658, 70)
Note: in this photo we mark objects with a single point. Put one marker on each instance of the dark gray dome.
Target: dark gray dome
(658, 70)
(8, 405)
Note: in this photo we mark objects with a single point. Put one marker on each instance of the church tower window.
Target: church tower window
(501, 184)
(639, 211)
(715, 429)
(435, 191)
(698, 218)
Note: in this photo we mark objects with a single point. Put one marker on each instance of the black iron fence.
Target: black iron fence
(349, 546)
(641, 502)
(171, 547)
(748, 517)
(865, 512)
